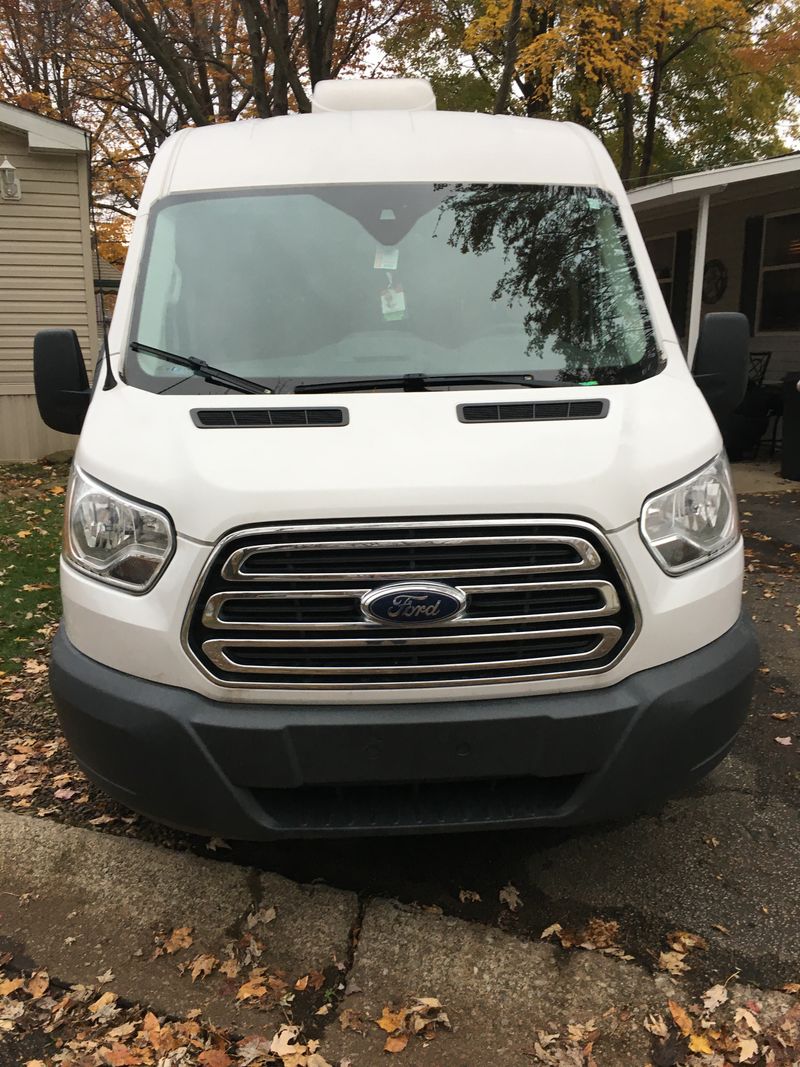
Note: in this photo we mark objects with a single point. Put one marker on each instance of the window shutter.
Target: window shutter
(751, 266)
(680, 280)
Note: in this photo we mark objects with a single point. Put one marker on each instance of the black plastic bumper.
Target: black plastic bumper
(259, 771)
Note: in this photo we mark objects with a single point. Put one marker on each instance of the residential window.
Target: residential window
(780, 274)
(662, 256)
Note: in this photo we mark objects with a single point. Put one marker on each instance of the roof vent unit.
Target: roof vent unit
(373, 94)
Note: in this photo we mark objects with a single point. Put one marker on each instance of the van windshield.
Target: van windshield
(289, 286)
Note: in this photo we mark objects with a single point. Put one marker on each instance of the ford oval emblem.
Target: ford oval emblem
(413, 603)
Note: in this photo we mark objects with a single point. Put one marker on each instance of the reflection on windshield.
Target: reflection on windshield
(289, 285)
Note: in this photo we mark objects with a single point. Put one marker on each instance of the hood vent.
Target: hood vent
(540, 412)
(221, 418)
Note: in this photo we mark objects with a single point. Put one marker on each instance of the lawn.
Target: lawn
(31, 516)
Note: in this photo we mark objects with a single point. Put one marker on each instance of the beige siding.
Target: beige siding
(726, 222)
(47, 280)
(23, 435)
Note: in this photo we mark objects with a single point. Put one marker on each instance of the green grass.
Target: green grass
(31, 513)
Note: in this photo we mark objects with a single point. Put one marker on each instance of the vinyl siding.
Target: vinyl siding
(46, 271)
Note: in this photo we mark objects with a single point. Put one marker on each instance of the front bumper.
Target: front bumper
(260, 771)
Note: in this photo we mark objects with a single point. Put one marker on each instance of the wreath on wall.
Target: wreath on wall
(715, 281)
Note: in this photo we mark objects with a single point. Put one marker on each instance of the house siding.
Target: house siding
(726, 225)
(45, 260)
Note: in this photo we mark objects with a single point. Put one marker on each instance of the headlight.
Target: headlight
(113, 538)
(693, 521)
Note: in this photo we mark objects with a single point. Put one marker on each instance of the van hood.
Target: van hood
(399, 455)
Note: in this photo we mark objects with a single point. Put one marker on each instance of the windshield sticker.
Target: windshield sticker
(386, 258)
(393, 303)
(387, 215)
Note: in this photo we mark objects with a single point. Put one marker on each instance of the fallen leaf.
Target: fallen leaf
(202, 966)
(119, 1056)
(699, 1043)
(509, 895)
(284, 1043)
(230, 968)
(350, 1019)
(263, 915)
(396, 1044)
(684, 941)
(782, 716)
(104, 1007)
(391, 1020)
(791, 987)
(105, 977)
(742, 1015)
(784, 740)
(215, 843)
(180, 938)
(252, 1048)
(254, 988)
(713, 997)
(214, 1057)
(747, 1048)
(301, 983)
(37, 984)
(680, 1017)
(11, 985)
(673, 962)
(469, 896)
(655, 1024)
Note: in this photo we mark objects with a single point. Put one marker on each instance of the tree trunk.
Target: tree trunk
(626, 157)
(319, 30)
(648, 145)
(258, 58)
(501, 100)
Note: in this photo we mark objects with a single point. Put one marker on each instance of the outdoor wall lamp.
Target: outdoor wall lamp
(10, 188)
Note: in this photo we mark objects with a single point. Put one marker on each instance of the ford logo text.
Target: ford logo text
(413, 604)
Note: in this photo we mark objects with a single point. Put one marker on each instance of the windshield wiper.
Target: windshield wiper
(419, 383)
(215, 375)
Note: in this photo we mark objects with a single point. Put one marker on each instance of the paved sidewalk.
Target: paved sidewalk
(91, 908)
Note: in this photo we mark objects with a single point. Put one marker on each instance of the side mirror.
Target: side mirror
(61, 381)
(722, 360)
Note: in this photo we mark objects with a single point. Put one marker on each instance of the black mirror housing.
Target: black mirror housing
(60, 379)
(721, 361)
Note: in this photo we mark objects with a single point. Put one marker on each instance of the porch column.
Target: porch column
(696, 298)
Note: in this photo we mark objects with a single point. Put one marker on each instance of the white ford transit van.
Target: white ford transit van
(395, 505)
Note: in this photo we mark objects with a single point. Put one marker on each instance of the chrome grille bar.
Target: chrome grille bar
(607, 636)
(215, 606)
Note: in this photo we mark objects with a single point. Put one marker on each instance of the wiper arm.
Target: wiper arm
(419, 383)
(215, 375)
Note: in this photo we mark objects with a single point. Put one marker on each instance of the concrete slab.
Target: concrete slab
(498, 991)
(93, 903)
(761, 476)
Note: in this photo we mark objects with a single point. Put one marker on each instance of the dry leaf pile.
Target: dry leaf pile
(423, 1018)
(597, 935)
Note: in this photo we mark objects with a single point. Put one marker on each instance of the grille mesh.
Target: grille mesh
(280, 607)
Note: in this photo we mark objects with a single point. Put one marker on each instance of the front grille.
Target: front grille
(280, 607)
(375, 807)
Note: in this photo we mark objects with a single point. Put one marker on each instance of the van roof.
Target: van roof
(380, 146)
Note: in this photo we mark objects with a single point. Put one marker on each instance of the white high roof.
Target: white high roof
(380, 146)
